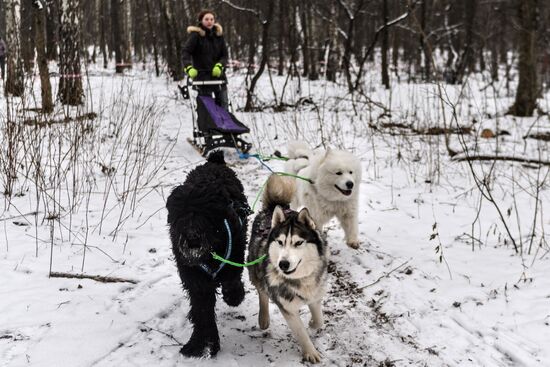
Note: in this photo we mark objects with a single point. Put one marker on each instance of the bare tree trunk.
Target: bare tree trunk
(127, 30)
(103, 17)
(251, 35)
(14, 80)
(385, 45)
(40, 40)
(153, 35)
(27, 36)
(332, 45)
(70, 82)
(494, 63)
(313, 34)
(266, 22)
(52, 27)
(348, 43)
(527, 92)
(503, 31)
(481, 55)
(305, 39)
(395, 44)
(3, 17)
(467, 58)
(281, 41)
(138, 20)
(178, 40)
(171, 53)
(117, 29)
(424, 50)
(395, 52)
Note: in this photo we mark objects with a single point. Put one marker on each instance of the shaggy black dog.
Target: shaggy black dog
(208, 213)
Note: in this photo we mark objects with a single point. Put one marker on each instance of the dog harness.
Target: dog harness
(228, 249)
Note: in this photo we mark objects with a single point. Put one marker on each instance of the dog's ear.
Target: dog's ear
(278, 216)
(305, 218)
(327, 153)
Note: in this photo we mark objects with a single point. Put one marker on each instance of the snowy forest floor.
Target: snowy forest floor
(436, 281)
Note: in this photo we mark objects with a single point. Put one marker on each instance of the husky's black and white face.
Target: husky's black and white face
(295, 247)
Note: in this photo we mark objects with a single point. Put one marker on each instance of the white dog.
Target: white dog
(334, 190)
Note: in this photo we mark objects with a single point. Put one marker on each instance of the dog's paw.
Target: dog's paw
(213, 348)
(315, 324)
(233, 293)
(196, 349)
(354, 244)
(263, 321)
(193, 349)
(312, 356)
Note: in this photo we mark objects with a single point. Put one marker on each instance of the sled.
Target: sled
(213, 126)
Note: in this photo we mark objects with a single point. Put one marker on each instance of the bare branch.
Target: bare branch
(253, 11)
(97, 278)
(470, 158)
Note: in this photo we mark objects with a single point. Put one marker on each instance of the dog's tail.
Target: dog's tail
(279, 190)
(216, 157)
(298, 149)
(298, 153)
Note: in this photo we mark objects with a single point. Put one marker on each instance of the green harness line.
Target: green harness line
(261, 158)
(254, 262)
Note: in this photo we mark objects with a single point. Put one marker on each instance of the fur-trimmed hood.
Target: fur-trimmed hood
(217, 29)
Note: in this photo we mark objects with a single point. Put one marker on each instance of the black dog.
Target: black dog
(208, 213)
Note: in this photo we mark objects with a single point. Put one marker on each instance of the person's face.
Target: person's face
(208, 21)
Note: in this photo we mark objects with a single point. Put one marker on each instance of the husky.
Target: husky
(295, 271)
(334, 187)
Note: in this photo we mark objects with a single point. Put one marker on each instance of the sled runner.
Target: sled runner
(213, 125)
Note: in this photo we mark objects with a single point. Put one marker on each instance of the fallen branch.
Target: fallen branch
(385, 275)
(86, 117)
(97, 278)
(471, 158)
(18, 216)
(539, 136)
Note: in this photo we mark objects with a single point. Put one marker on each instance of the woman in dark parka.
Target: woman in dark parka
(205, 53)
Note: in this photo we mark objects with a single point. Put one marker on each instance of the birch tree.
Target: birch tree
(70, 82)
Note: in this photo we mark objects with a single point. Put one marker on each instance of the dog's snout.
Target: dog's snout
(284, 265)
(193, 244)
(349, 185)
(193, 240)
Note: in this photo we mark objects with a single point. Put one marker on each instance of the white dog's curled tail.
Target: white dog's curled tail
(298, 153)
(298, 149)
(279, 190)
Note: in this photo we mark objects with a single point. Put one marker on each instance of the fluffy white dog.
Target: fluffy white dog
(334, 191)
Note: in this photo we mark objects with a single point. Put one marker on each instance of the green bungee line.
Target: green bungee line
(269, 157)
(254, 262)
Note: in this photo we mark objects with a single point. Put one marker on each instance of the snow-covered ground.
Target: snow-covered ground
(436, 282)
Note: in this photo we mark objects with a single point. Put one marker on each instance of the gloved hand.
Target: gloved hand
(191, 71)
(217, 70)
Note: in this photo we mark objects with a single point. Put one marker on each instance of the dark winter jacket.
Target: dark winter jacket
(3, 48)
(204, 49)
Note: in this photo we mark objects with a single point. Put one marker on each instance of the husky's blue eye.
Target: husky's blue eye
(339, 173)
(299, 243)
